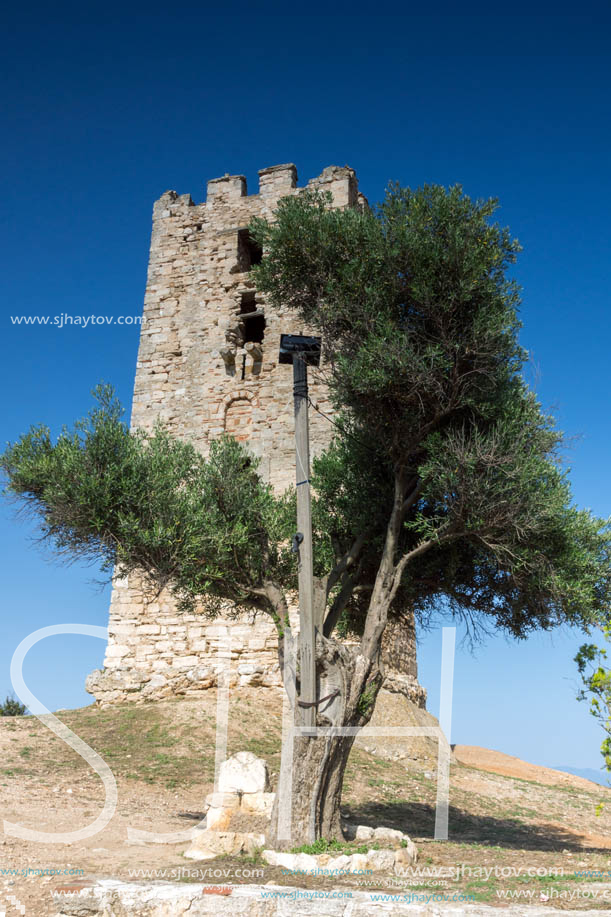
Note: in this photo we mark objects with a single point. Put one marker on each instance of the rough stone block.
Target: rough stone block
(210, 844)
(116, 652)
(258, 803)
(149, 629)
(244, 773)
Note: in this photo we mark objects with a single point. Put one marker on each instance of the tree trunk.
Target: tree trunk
(307, 805)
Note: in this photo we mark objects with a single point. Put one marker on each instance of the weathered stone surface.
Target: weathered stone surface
(223, 800)
(380, 860)
(212, 843)
(163, 899)
(257, 803)
(388, 837)
(306, 862)
(243, 773)
(352, 864)
(219, 818)
(243, 784)
(405, 856)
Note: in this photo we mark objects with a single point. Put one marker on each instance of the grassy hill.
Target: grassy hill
(163, 758)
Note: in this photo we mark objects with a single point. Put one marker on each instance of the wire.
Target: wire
(341, 429)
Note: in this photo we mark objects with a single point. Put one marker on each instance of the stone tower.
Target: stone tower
(208, 364)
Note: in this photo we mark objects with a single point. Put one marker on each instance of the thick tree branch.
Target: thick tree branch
(347, 561)
(275, 604)
(412, 498)
(339, 603)
(420, 549)
(377, 612)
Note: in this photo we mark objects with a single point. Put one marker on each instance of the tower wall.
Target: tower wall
(208, 364)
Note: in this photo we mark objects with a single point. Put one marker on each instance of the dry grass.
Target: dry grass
(163, 758)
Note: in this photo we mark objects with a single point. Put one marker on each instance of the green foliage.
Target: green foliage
(206, 527)
(419, 320)
(323, 845)
(596, 680)
(367, 699)
(441, 450)
(12, 707)
(417, 314)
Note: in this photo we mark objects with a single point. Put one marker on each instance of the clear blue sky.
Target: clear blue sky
(107, 106)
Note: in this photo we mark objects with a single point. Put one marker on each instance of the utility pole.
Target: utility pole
(303, 352)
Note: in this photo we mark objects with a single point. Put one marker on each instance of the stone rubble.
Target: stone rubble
(209, 844)
(110, 898)
(243, 790)
(405, 853)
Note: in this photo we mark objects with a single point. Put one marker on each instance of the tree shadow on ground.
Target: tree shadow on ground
(418, 820)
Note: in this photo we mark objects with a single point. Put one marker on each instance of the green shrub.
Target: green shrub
(12, 707)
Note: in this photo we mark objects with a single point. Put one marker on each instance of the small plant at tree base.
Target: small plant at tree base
(12, 707)
(322, 845)
(255, 857)
(332, 845)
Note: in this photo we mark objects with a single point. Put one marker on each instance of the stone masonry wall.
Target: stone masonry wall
(208, 363)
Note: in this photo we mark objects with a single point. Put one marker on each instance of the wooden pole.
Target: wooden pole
(307, 639)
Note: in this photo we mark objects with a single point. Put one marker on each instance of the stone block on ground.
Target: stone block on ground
(405, 856)
(386, 837)
(244, 773)
(257, 803)
(383, 860)
(209, 844)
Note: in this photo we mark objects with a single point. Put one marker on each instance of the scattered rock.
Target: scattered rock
(405, 856)
(380, 860)
(243, 789)
(299, 861)
(390, 837)
(387, 837)
(244, 773)
(376, 860)
(210, 844)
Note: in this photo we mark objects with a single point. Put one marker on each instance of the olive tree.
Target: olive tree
(442, 487)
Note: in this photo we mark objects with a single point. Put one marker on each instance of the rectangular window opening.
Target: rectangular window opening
(252, 318)
(249, 251)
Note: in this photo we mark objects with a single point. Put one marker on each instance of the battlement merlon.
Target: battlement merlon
(275, 182)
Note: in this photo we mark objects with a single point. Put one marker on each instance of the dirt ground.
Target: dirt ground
(506, 816)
